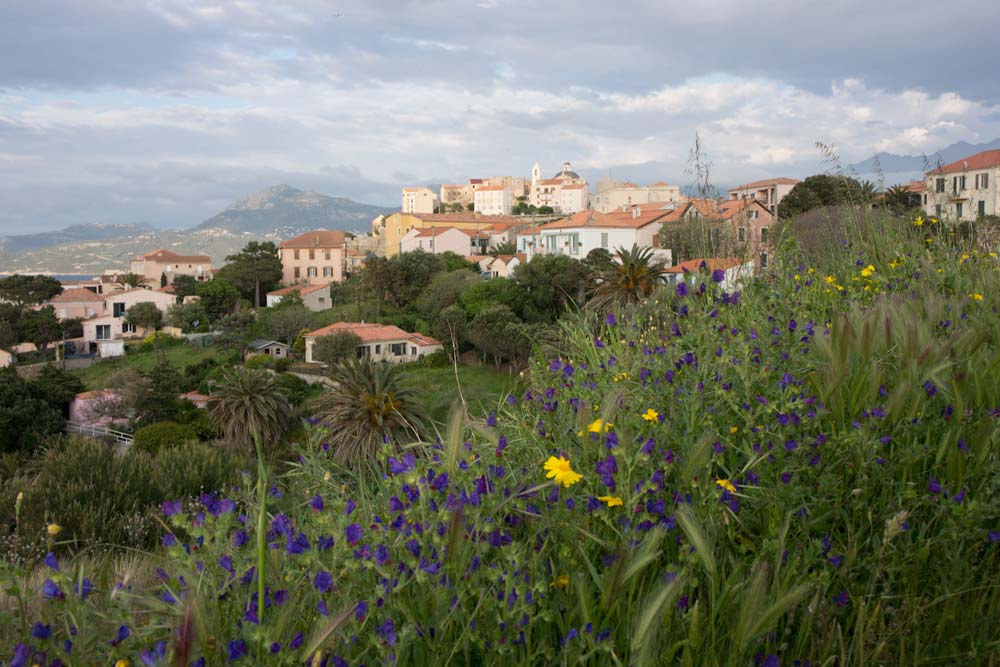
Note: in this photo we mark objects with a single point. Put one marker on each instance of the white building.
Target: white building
(419, 200)
(112, 325)
(615, 195)
(438, 240)
(767, 192)
(493, 200)
(314, 297)
(965, 189)
(584, 231)
(381, 342)
(549, 191)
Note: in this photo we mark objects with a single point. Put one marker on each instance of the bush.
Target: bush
(282, 365)
(432, 360)
(149, 343)
(259, 361)
(155, 437)
(192, 468)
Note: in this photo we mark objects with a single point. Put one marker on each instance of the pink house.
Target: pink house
(77, 302)
(89, 407)
(439, 240)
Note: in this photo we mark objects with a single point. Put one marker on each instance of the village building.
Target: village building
(313, 258)
(380, 342)
(768, 192)
(419, 200)
(269, 348)
(395, 226)
(314, 297)
(155, 265)
(965, 189)
(615, 195)
(77, 302)
(111, 324)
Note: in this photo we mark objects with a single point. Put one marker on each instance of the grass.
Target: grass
(179, 356)
(482, 387)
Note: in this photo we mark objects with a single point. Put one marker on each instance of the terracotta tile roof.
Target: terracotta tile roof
(466, 218)
(660, 184)
(629, 184)
(574, 186)
(531, 231)
(916, 186)
(765, 183)
(614, 219)
(551, 181)
(301, 289)
(94, 393)
(724, 209)
(506, 258)
(492, 188)
(322, 238)
(164, 255)
(77, 295)
(984, 160)
(712, 263)
(371, 332)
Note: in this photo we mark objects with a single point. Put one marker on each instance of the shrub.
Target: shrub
(282, 365)
(259, 361)
(149, 343)
(433, 360)
(155, 437)
(192, 468)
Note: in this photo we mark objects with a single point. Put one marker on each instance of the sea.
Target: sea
(62, 276)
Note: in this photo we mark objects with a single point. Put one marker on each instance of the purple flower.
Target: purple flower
(171, 507)
(718, 275)
(323, 581)
(501, 445)
(361, 610)
(387, 631)
(152, 656)
(994, 536)
(398, 467)
(349, 507)
(682, 289)
(610, 319)
(934, 486)
(39, 631)
(84, 588)
(275, 648)
(237, 649)
(316, 503)
(51, 591)
(353, 533)
(22, 652)
(240, 538)
(50, 560)
(297, 641)
(298, 545)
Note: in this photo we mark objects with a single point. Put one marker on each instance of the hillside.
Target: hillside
(890, 163)
(286, 211)
(10, 245)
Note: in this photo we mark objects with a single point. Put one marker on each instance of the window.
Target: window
(118, 310)
(982, 208)
(604, 239)
(763, 260)
(397, 349)
(312, 253)
(961, 182)
(327, 271)
(297, 273)
(763, 235)
(326, 254)
(128, 328)
(752, 215)
(296, 253)
(378, 349)
(937, 210)
(958, 210)
(982, 181)
(413, 351)
(741, 234)
(311, 272)
(925, 200)
(939, 185)
(103, 331)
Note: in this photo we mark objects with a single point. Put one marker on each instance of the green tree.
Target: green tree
(248, 404)
(336, 347)
(366, 407)
(23, 290)
(551, 283)
(254, 271)
(545, 210)
(163, 280)
(453, 262)
(819, 190)
(495, 332)
(144, 314)
(634, 275)
(56, 387)
(237, 329)
(40, 327)
(505, 248)
(187, 317)
(444, 290)
(162, 435)
(450, 326)
(184, 285)
(901, 199)
(486, 293)
(131, 280)
(218, 296)
(25, 419)
(285, 323)
(470, 207)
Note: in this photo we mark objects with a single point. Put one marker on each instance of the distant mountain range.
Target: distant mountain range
(275, 214)
(890, 163)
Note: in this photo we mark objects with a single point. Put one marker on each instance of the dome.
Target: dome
(567, 172)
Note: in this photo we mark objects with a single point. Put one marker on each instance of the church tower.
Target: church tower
(536, 174)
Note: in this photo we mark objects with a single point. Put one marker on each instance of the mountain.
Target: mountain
(890, 163)
(283, 211)
(10, 245)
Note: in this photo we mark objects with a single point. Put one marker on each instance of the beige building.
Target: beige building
(111, 324)
(965, 189)
(314, 297)
(163, 262)
(767, 192)
(494, 200)
(313, 258)
(380, 342)
(77, 302)
(438, 240)
(615, 195)
(456, 195)
(419, 200)
(398, 224)
(549, 191)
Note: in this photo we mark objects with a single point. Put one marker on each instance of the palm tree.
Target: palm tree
(631, 277)
(366, 407)
(131, 280)
(248, 404)
(868, 192)
(901, 199)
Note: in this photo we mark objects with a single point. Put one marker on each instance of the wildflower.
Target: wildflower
(237, 649)
(867, 271)
(975, 296)
(50, 560)
(323, 581)
(598, 424)
(122, 662)
(387, 631)
(558, 468)
(171, 507)
(651, 415)
(316, 503)
(84, 588)
(733, 430)
(611, 501)
(51, 591)
(39, 631)
(682, 289)
(54, 529)
(562, 581)
(831, 280)
(725, 484)
(610, 320)
(353, 533)
(919, 222)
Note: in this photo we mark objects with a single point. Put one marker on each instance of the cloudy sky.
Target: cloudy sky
(166, 110)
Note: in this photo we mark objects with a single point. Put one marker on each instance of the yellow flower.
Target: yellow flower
(831, 280)
(964, 258)
(919, 222)
(326, 476)
(726, 484)
(559, 469)
(867, 271)
(734, 429)
(976, 296)
(54, 529)
(795, 277)
(651, 415)
(598, 424)
(611, 501)
(811, 271)
(934, 221)
(562, 581)
(894, 263)
(122, 662)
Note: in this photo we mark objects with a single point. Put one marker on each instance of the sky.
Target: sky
(165, 111)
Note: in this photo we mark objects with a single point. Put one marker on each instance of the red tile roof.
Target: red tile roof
(492, 188)
(77, 295)
(323, 238)
(615, 219)
(984, 160)
(465, 218)
(164, 255)
(765, 183)
(301, 289)
(574, 186)
(370, 332)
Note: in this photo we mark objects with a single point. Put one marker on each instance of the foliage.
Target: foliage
(56, 387)
(237, 328)
(819, 190)
(497, 333)
(188, 317)
(184, 285)
(453, 262)
(366, 407)
(551, 284)
(131, 280)
(249, 405)
(26, 418)
(156, 437)
(335, 347)
(286, 322)
(254, 271)
(505, 248)
(444, 290)
(450, 327)
(144, 314)
(496, 292)
(25, 290)
(633, 276)
(295, 389)
(218, 297)
(40, 326)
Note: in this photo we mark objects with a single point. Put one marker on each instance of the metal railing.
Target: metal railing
(98, 431)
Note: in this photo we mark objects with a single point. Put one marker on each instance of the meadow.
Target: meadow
(803, 472)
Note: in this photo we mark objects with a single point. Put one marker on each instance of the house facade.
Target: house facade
(615, 195)
(456, 195)
(493, 200)
(269, 348)
(153, 265)
(111, 325)
(503, 266)
(313, 258)
(965, 189)
(738, 226)
(314, 297)
(768, 192)
(398, 224)
(584, 231)
(438, 240)
(380, 342)
(549, 191)
(419, 200)
(77, 302)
